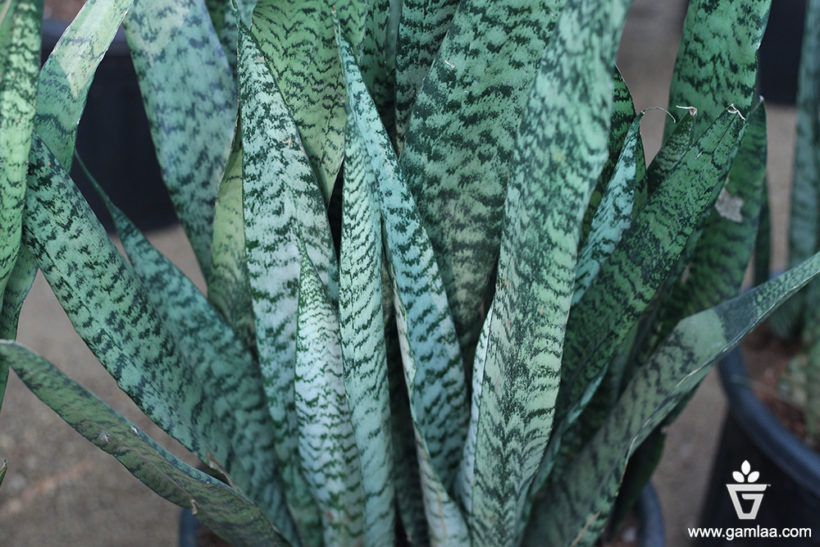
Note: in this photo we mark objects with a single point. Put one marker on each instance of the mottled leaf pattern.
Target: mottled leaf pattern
(228, 285)
(296, 40)
(580, 500)
(218, 506)
(422, 26)
(433, 368)
(230, 377)
(460, 141)
(283, 209)
(717, 58)
(19, 68)
(329, 456)
(614, 213)
(560, 150)
(672, 150)
(190, 98)
(363, 344)
(106, 304)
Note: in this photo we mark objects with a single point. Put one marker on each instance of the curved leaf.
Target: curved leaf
(190, 98)
(363, 345)
(576, 505)
(217, 506)
(327, 446)
(460, 139)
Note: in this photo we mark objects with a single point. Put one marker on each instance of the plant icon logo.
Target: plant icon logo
(745, 489)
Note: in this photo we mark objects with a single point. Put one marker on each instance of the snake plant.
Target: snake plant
(447, 300)
(800, 317)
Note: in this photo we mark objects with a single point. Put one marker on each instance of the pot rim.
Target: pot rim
(796, 459)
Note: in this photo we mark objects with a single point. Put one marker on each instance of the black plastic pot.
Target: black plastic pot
(650, 532)
(792, 471)
(114, 140)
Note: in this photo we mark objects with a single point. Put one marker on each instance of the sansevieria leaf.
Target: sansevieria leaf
(576, 507)
(560, 149)
(218, 506)
(717, 58)
(104, 299)
(460, 139)
(327, 446)
(230, 377)
(190, 98)
(433, 368)
(283, 210)
(363, 344)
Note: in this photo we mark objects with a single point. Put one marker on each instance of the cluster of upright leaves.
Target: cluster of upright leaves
(516, 304)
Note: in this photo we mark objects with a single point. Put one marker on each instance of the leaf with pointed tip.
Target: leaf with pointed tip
(560, 149)
(230, 377)
(190, 98)
(436, 383)
(635, 271)
(19, 68)
(614, 213)
(422, 26)
(228, 285)
(673, 149)
(296, 41)
(363, 345)
(576, 505)
(717, 58)
(105, 301)
(621, 119)
(327, 446)
(460, 139)
(283, 209)
(218, 506)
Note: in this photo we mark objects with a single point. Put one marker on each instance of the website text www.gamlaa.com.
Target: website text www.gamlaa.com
(731, 534)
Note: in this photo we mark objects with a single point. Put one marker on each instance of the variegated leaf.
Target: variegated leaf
(460, 140)
(218, 506)
(561, 147)
(190, 98)
(363, 345)
(575, 507)
(283, 209)
(327, 446)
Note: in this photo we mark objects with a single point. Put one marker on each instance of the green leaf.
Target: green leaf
(190, 98)
(614, 213)
(609, 310)
(673, 149)
(621, 119)
(327, 445)
(576, 505)
(296, 41)
(436, 378)
(460, 138)
(228, 285)
(105, 301)
(19, 68)
(17, 288)
(230, 377)
(804, 216)
(218, 506)
(433, 368)
(763, 243)
(377, 57)
(5, 465)
(283, 209)
(560, 149)
(225, 16)
(363, 346)
(422, 26)
(717, 57)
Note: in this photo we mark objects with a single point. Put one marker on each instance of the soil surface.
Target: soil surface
(767, 358)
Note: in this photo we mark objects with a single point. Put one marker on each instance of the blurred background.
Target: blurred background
(61, 490)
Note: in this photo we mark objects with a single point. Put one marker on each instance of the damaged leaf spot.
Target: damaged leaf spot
(729, 206)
